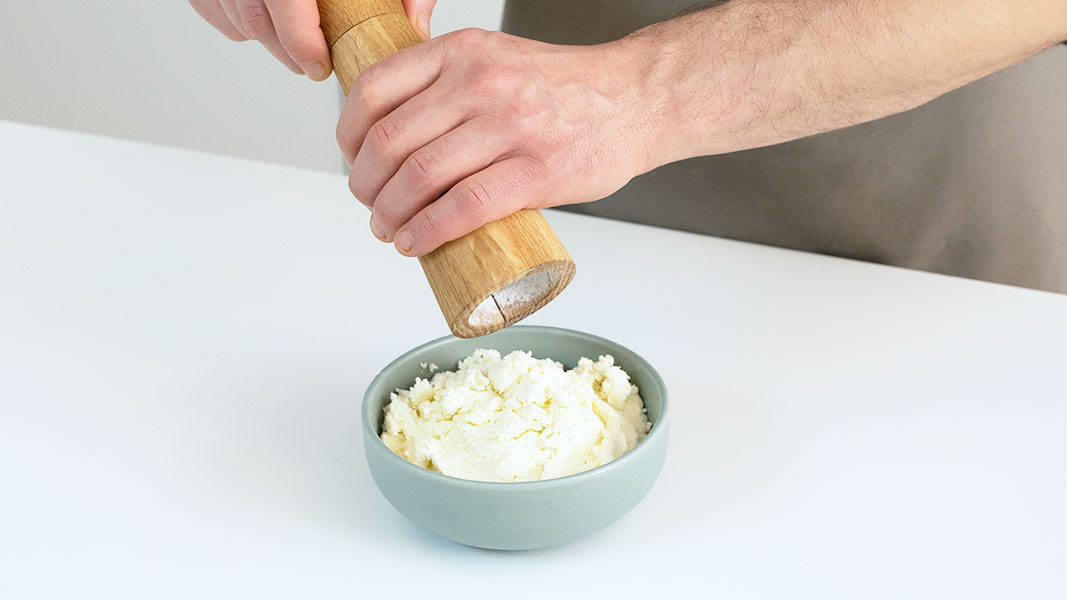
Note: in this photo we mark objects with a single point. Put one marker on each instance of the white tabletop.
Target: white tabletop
(185, 339)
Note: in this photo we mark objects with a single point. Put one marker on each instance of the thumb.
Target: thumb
(419, 13)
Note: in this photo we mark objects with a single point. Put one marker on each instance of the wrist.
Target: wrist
(706, 93)
(681, 119)
(656, 123)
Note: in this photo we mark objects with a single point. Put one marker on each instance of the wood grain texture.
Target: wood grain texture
(338, 16)
(469, 275)
(368, 42)
(465, 272)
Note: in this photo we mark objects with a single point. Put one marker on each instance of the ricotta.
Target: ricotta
(516, 418)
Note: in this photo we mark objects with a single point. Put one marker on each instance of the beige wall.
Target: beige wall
(153, 71)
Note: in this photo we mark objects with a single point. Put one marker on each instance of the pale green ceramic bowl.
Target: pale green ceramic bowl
(526, 515)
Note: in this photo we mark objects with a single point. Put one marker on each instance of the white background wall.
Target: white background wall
(152, 70)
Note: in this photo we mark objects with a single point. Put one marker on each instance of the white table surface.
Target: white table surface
(185, 339)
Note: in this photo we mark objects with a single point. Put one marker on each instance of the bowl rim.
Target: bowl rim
(393, 458)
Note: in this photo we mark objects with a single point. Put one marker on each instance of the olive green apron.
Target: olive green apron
(972, 184)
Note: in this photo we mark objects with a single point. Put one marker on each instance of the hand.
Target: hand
(418, 12)
(465, 129)
(289, 29)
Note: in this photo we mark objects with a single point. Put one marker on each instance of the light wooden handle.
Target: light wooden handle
(491, 277)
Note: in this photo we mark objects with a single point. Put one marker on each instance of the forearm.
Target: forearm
(756, 72)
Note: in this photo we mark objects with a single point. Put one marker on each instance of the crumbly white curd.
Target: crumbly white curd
(516, 418)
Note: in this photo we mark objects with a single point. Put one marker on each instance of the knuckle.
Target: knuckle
(468, 38)
(425, 225)
(254, 17)
(355, 186)
(531, 169)
(423, 166)
(347, 138)
(383, 137)
(473, 198)
(343, 137)
(364, 88)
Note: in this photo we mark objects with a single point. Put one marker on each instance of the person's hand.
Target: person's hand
(465, 129)
(289, 29)
(419, 11)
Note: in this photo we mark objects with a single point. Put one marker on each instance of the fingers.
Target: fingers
(382, 88)
(432, 170)
(296, 24)
(396, 136)
(488, 195)
(212, 12)
(256, 23)
(288, 29)
(230, 10)
(419, 12)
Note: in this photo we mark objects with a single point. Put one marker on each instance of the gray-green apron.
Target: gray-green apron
(973, 183)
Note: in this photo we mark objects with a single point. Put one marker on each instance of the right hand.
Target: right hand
(289, 29)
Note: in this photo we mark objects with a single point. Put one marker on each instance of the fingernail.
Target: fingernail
(423, 22)
(376, 229)
(404, 241)
(315, 71)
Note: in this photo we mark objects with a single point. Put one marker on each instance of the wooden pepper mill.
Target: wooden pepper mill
(491, 277)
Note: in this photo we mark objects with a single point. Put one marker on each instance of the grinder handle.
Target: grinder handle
(463, 273)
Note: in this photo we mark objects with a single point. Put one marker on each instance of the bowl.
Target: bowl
(521, 515)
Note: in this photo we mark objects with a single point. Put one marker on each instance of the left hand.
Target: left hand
(288, 29)
(465, 129)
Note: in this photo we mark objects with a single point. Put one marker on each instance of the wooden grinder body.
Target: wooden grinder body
(491, 277)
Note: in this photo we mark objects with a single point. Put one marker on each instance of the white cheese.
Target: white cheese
(516, 418)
